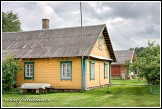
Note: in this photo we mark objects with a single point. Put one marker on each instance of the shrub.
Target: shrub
(10, 68)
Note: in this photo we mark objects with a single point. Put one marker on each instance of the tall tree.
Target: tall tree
(10, 22)
(148, 63)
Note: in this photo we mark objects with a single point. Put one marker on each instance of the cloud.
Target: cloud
(130, 24)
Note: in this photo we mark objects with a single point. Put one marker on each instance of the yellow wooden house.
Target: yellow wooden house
(62, 57)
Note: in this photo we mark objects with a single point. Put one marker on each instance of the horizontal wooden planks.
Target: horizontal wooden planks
(48, 71)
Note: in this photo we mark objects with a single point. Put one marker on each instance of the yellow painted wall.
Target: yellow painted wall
(99, 73)
(104, 52)
(48, 71)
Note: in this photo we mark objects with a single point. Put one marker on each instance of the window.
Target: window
(92, 70)
(105, 70)
(29, 70)
(100, 42)
(66, 70)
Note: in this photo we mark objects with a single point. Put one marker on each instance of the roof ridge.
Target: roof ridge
(56, 28)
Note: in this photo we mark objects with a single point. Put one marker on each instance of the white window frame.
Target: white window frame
(105, 70)
(100, 42)
(92, 70)
(30, 70)
(66, 70)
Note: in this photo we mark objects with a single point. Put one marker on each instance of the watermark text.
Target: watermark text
(26, 99)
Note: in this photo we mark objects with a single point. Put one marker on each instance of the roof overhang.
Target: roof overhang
(101, 58)
(109, 45)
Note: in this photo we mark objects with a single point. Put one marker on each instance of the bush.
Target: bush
(10, 68)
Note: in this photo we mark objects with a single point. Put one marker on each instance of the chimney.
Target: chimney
(45, 23)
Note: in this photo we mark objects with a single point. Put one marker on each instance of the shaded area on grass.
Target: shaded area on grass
(129, 82)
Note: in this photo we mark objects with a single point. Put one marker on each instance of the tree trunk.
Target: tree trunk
(150, 87)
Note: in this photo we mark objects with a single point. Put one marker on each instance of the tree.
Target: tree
(127, 64)
(148, 63)
(10, 68)
(10, 22)
(137, 49)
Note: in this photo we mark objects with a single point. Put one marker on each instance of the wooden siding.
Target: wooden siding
(116, 71)
(99, 74)
(48, 71)
(104, 52)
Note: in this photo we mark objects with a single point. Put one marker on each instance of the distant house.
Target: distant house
(118, 68)
(54, 56)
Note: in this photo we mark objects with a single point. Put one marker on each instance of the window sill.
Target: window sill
(29, 78)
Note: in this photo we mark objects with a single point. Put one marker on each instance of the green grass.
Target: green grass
(130, 82)
(119, 96)
(156, 90)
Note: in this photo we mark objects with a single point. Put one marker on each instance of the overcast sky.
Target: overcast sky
(130, 24)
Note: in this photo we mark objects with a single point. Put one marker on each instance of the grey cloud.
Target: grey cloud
(130, 24)
(133, 9)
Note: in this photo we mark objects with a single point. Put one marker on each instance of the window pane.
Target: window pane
(68, 70)
(64, 70)
(31, 68)
(68, 74)
(92, 70)
(100, 41)
(105, 71)
(27, 70)
(31, 74)
(68, 66)
(27, 74)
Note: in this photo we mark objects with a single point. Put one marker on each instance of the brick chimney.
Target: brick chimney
(45, 23)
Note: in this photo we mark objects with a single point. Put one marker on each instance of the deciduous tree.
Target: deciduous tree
(148, 63)
(10, 22)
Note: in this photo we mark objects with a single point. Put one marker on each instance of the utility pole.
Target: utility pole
(82, 68)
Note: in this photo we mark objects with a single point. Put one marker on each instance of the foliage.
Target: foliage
(137, 50)
(148, 63)
(10, 68)
(10, 22)
(127, 63)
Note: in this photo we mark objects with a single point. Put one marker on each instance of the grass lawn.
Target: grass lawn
(119, 96)
(129, 82)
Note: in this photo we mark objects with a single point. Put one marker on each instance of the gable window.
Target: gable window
(29, 70)
(105, 70)
(92, 70)
(100, 42)
(66, 70)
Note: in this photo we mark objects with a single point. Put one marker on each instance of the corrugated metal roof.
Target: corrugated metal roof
(122, 56)
(63, 42)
